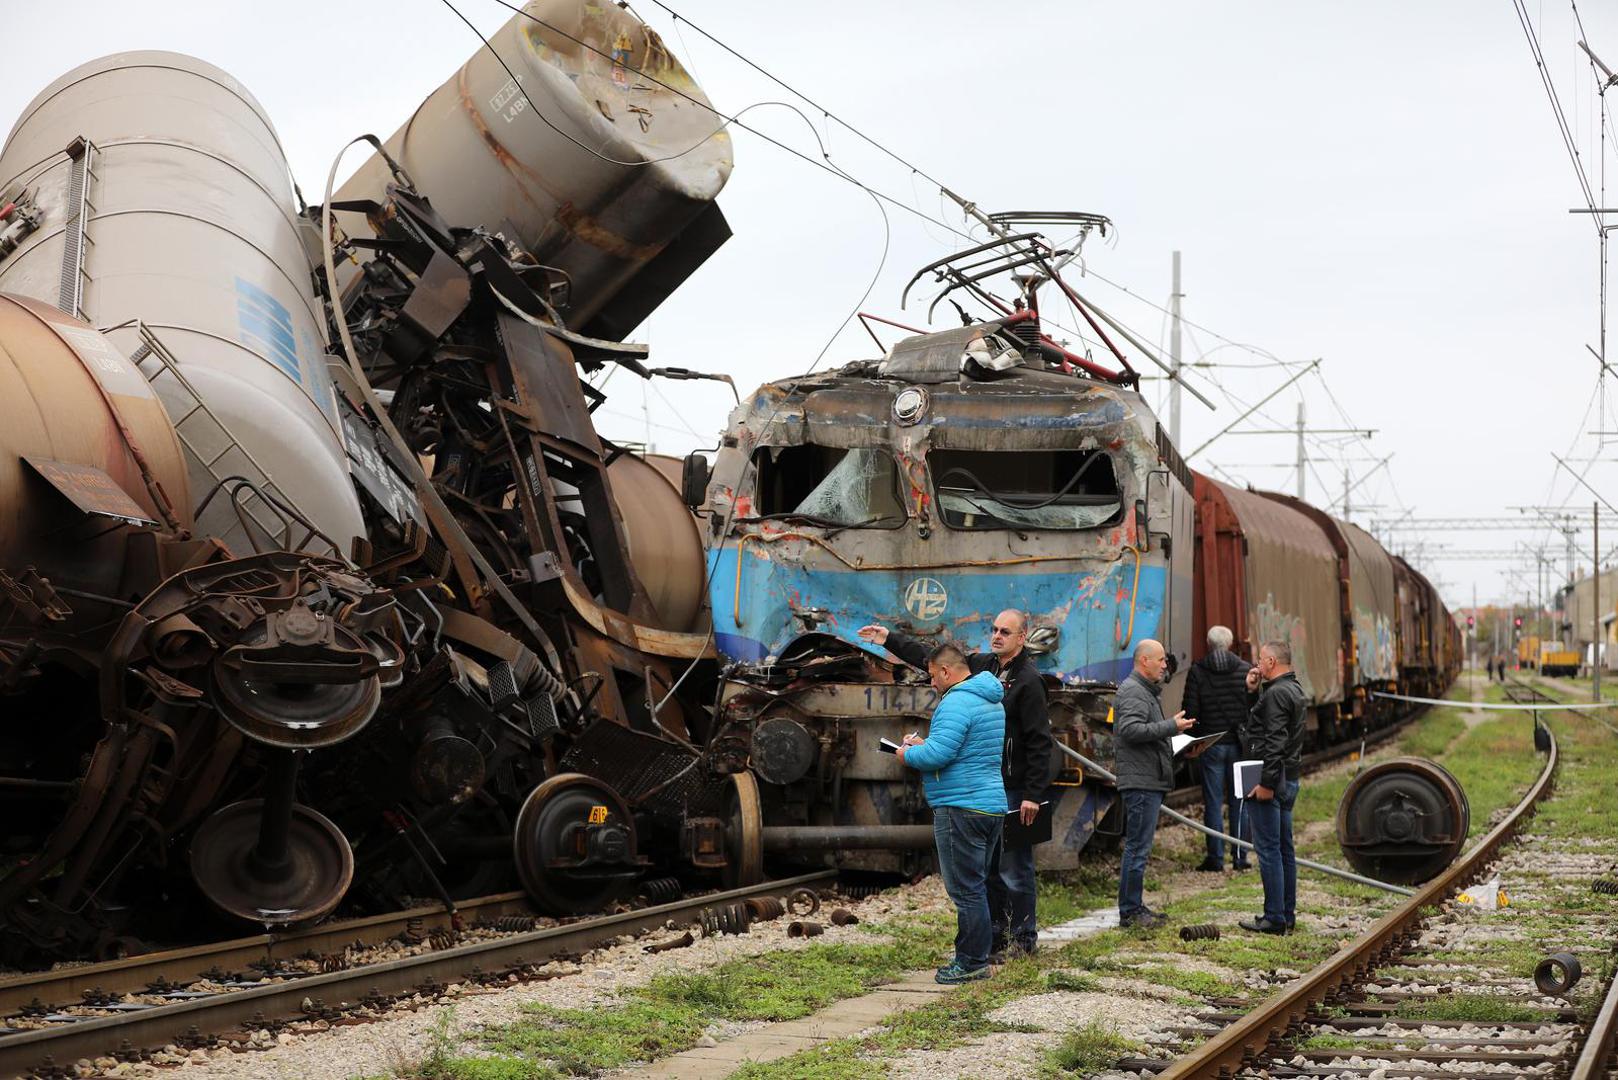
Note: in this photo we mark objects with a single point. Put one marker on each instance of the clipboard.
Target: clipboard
(1195, 744)
(1015, 834)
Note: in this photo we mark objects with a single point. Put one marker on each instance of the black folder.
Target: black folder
(1018, 835)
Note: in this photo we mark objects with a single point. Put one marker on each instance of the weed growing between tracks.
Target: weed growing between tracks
(670, 1013)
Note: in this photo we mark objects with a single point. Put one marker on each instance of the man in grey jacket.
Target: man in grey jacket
(1144, 762)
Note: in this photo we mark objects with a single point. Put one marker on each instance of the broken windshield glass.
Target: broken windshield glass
(827, 485)
(1026, 489)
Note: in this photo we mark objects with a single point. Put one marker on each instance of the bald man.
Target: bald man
(1144, 762)
(1025, 765)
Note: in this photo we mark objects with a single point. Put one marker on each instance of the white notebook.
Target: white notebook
(1245, 775)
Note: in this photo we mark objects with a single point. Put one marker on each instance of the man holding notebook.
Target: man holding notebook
(1275, 735)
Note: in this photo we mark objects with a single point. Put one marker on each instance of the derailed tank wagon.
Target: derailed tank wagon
(323, 590)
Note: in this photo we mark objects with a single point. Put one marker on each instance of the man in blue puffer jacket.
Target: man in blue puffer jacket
(960, 765)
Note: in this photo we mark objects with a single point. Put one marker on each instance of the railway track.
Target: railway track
(213, 993)
(1360, 1013)
(221, 992)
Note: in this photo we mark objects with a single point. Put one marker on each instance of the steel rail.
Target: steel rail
(1241, 1044)
(54, 1047)
(133, 974)
(1594, 1060)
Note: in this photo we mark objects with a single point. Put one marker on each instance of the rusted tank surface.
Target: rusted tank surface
(1292, 583)
(177, 210)
(596, 150)
(84, 444)
(665, 547)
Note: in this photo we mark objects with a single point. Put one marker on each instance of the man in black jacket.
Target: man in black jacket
(1275, 735)
(1216, 694)
(1026, 765)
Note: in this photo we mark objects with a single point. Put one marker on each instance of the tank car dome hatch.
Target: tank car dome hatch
(169, 219)
(1403, 821)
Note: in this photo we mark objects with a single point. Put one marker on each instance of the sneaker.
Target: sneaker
(1020, 949)
(1142, 920)
(1240, 866)
(997, 958)
(1261, 925)
(1210, 866)
(953, 974)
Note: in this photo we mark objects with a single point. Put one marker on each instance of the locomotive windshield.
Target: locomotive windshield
(1022, 489)
(827, 485)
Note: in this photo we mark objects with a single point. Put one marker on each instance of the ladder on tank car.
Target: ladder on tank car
(261, 507)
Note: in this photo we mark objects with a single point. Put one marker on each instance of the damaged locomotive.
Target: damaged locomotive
(964, 472)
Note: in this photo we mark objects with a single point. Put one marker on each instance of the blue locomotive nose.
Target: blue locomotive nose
(1090, 613)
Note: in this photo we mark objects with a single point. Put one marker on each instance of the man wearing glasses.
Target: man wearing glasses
(1025, 765)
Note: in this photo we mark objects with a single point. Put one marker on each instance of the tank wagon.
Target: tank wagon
(322, 590)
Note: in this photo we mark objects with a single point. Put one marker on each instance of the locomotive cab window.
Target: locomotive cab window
(1021, 489)
(827, 485)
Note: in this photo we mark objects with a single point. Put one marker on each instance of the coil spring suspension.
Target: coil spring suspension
(844, 917)
(804, 928)
(512, 924)
(333, 962)
(1200, 932)
(803, 901)
(441, 939)
(662, 890)
(724, 919)
(415, 931)
(764, 908)
(860, 890)
(1605, 886)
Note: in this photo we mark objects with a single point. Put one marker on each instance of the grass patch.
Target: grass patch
(1072, 981)
(1088, 1051)
(1473, 1007)
(670, 1013)
(951, 1021)
(1433, 733)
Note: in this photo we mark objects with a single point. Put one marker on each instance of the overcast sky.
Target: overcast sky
(1378, 184)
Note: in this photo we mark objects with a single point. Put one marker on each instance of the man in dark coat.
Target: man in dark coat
(1275, 736)
(1216, 694)
(1026, 764)
(1144, 762)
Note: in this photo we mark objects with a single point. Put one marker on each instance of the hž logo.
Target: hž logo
(926, 599)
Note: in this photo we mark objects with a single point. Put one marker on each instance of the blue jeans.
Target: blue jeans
(1219, 797)
(1277, 865)
(1012, 890)
(965, 841)
(1140, 828)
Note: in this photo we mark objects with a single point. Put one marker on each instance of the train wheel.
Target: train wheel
(744, 834)
(305, 884)
(1403, 821)
(575, 845)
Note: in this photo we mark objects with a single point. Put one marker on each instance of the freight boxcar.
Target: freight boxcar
(1370, 609)
(1269, 572)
